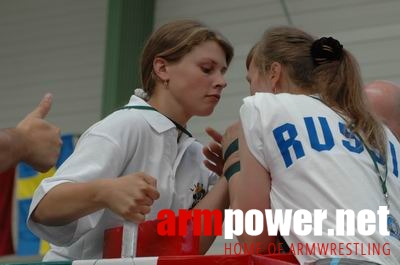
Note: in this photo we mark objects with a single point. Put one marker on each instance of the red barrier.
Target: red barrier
(181, 250)
(150, 243)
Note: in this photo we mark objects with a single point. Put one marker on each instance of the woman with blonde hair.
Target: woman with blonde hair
(309, 141)
(140, 159)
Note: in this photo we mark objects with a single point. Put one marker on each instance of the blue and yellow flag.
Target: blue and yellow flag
(27, 181)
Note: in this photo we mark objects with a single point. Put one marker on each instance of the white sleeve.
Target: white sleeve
(252, 127)
(96, 156)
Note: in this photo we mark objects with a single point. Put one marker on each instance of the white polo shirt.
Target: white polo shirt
(125, 142)
(313, 165)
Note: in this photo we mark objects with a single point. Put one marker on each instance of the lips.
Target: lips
(215, 96)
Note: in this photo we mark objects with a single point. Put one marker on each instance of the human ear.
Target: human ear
(160, 69)
(275, 74)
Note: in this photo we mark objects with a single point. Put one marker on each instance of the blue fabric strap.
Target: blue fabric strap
(233, 147)
(232, 170)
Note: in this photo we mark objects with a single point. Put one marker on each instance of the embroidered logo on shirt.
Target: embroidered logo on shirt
(198, 193)
(393, 227)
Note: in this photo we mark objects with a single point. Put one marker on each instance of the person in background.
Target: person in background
(384, 97)
(140, 159)
(309, 141)
(33, 141)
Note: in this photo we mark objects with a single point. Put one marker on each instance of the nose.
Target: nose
(220, 81)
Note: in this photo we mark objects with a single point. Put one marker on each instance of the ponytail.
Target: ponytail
(337, 77)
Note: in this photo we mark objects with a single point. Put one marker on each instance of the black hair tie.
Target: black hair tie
(326, 50)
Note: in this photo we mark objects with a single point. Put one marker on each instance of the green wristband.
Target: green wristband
(233, 147)
(232, 170)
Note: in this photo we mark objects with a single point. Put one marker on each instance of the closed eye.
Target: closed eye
(206, 70)
(223, 70)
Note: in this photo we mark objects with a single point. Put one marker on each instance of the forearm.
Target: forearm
(68, 202)
(249, 189)
(11, 148)
(216, 199)
(242, 199)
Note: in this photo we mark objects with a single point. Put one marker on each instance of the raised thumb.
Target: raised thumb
(43, 108)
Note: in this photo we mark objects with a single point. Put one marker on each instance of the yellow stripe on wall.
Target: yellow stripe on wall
(27, 186)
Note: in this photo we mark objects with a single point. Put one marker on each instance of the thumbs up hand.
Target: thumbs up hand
(40, 139)
(43, 108)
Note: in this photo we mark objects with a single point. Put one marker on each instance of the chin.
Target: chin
(205, 112)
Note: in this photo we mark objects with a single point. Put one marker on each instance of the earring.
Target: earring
(166, 84)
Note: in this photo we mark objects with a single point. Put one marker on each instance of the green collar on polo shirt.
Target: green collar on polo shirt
(178, 126)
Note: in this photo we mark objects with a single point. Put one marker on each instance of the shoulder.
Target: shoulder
(262, 104)
(274, 100)
(280, 105)
(122, 128)
(390, 136)
(120, 120)
(124, 118)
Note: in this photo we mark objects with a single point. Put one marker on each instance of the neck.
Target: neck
(300, 91)
(293, 89)
(170, 108)
(286, 85)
